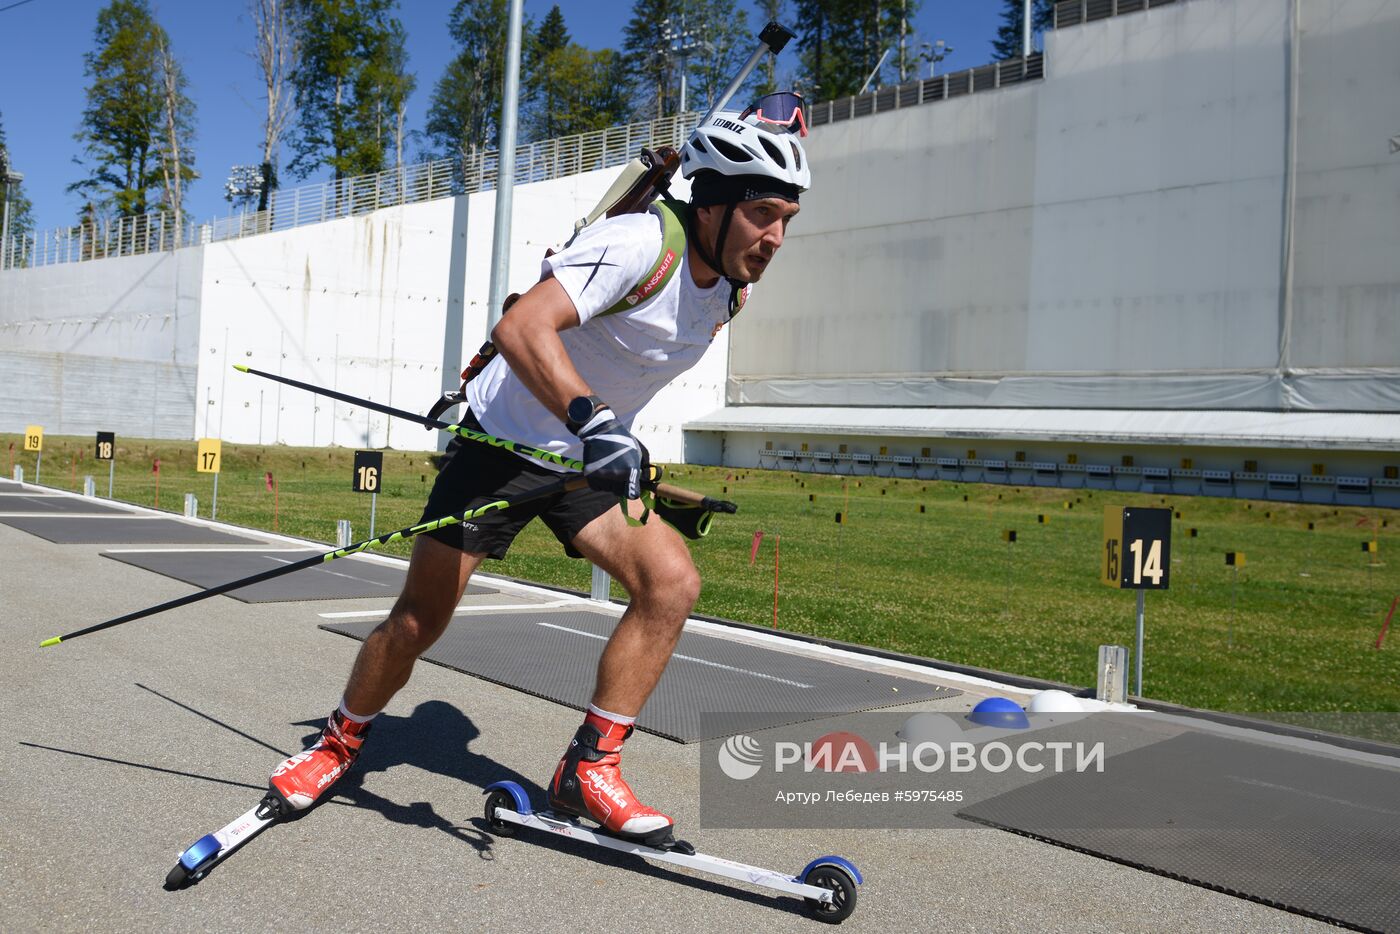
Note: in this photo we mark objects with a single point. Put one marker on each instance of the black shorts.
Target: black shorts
(475, 474)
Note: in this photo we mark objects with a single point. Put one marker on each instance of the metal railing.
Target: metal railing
(1074, 12)
(925, 91)
(475, 170)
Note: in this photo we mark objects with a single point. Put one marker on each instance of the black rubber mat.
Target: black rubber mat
(120, 530)
(341, 579)
(56, 505)
(554, 654)
(1315, 835)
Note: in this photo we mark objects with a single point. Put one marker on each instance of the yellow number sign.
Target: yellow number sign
(208, 456)
(34, 438)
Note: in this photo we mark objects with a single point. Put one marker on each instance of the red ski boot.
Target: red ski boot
(588, 783)
(299, 781)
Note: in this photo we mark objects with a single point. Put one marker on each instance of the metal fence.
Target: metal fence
(1074, 12)
(475, 170)
(928, 90)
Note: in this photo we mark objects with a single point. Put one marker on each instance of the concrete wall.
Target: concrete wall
(104, 345)
(146, 345)
(1132, 232)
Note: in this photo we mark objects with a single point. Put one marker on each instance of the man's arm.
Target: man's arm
(528, 338)
(613, 460)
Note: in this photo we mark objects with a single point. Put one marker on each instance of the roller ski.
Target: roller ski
(295, 785)
(827, 884)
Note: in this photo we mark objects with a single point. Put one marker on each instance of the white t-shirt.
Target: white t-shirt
(625, 357)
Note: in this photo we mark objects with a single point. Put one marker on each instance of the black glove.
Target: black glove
(690, 521)
(613, 460)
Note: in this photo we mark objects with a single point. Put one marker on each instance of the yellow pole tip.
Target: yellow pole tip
(54, 641)
(240, 368)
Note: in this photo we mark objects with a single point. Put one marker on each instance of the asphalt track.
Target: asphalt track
(123, 747)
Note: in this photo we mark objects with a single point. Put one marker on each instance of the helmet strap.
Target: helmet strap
(714, 262)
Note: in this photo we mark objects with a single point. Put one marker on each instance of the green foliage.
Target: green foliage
(350, 85)
(842, 41)
(1007, 44)
(124, 130)
(464, 112)
(721, 39)
(652, 72)
(726, 41)
(577, 90)
(1295, 631)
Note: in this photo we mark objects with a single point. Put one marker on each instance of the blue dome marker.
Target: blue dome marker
(999, 711)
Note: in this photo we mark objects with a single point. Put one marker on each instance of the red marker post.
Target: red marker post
(753, 549)
(1386, 625)
(272, 488)
(155, 469)
(777, 547)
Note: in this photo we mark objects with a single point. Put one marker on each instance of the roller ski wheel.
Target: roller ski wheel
(500, 799)
(843, 889)
(178, 878)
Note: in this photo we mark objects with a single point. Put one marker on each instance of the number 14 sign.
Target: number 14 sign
(1136, 548)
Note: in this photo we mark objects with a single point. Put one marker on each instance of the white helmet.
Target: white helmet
(736, 145)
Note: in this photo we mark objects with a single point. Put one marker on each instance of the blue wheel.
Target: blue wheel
(500, 798)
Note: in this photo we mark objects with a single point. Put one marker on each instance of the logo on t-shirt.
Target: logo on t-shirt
(649, 286)
(599, 262)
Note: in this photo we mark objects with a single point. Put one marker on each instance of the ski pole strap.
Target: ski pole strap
(692, 521)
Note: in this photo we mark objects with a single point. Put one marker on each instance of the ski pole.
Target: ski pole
(466, 433)
(665, 490)
(772, 39)
(560, 485)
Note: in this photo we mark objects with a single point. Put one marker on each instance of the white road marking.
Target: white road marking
(250, 548)
(690, 658)
(482, 608)
(69, 515)
(349, 577)
(1313, 794)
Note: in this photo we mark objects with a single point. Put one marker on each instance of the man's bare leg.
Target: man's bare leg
(437, 578)
(653, 564)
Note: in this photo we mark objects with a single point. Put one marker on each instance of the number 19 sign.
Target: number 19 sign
(1136, 555)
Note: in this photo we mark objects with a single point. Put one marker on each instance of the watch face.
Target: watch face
(580, 410)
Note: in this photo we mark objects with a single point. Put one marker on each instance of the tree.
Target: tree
(349, 84)
(653, 72)
(845, 39)
(464, 112)
(721, 30)
(126, 129)
(18, 220)
(275, 50)
(177, 122)
(542, 82)
(1007, 44)
(587, 91)
(770, 11)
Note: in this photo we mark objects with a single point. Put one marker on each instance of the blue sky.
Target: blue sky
(41, 99)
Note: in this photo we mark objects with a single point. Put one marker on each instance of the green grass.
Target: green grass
(1294, 634)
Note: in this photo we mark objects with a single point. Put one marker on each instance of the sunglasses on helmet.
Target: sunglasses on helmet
(782, 111)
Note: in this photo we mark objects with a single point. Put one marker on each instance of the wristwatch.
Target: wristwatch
(580, 410)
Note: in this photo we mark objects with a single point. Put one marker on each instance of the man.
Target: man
(580, 354)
